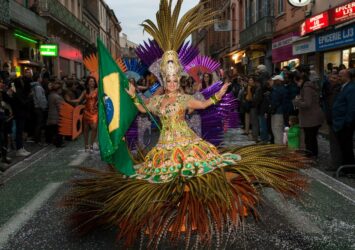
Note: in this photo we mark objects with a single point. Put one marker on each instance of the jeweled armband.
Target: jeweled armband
(214, 99)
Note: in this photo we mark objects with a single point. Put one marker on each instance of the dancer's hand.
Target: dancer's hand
(131, 91)
(223, 90)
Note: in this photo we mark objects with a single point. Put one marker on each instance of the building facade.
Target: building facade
(65, 29)
(215, 41)
(21, 33)
(128, 48)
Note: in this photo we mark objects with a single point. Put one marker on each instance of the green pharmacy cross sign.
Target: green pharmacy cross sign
(48, 49)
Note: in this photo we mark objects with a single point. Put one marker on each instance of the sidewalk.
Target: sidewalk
(29, 146)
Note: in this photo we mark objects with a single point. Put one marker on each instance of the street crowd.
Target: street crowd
(290, 106)
(30, 109)
(287, 107)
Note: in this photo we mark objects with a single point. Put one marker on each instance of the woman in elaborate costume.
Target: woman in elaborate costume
(185, 186)
(90, 112)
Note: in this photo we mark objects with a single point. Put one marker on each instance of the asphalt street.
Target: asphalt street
(32, 218)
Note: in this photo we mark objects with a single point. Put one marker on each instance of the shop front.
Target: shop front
(334, 38)
(305, 48)
(282, 50)
(337, 46)
(70, 61)
(238, 61)
(27, 53)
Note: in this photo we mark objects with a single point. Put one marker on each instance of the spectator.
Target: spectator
(262, 74)
(19, 104)
(262, 99)
(30, 110)
(292, 90)
(247, 103)
(40, 106)
(343, 113)
(5, 73)
(54, 102)
(70, 95)
(294, 133)
(310, 112)
(278, 94)
(330, 90)
(5, 115)
(341, 67)
(206, 80)
(254, 84)
(189, 88)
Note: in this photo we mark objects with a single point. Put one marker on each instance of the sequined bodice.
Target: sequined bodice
(175, 130)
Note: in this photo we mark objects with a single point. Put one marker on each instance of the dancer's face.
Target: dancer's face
(172, 83)
(92, 83)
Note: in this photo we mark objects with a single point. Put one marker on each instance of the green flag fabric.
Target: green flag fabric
(116, 113)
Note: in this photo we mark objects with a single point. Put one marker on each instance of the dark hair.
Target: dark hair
(254, 77)
(57, 85)
(69, 84)
(18, 83)
(87, 83)
(293, 119)
(35, 76)
(329, 66)
(351, 73)
(342, 66)
(206, 84)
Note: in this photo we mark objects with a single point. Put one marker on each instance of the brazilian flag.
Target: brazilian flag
(116, 113)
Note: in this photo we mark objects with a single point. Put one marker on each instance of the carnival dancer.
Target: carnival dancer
(90, 112)
(184, 186)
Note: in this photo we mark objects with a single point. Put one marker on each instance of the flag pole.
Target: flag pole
(148, 112)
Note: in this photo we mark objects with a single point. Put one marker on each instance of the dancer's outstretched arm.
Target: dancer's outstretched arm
(196, 104)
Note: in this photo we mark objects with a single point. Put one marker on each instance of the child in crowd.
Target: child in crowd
(294, 133)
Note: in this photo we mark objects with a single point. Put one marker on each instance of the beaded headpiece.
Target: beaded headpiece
(170, 33)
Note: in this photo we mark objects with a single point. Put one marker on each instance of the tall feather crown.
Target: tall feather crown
(170, 33)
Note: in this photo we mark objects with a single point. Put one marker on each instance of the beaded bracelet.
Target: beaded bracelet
(135, 100)
(214, 99)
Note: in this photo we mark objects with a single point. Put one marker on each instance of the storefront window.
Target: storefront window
(353, 50)
(293, 62)
(333, 57)
(346, 54)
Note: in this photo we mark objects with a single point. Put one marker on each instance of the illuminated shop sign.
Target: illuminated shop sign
(314, 23)
(333, 16)
(342, 13)
(48, 50)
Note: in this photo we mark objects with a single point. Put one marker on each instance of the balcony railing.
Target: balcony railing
(4, 11)
(260, 30)
(54, 9)
(27, 18)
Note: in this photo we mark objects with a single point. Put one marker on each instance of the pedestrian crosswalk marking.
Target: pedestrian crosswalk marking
(24, 214)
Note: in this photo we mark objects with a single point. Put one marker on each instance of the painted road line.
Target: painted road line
(79, 159)
(294, 215)
(23, 165)
(24, 214)
(332, 183)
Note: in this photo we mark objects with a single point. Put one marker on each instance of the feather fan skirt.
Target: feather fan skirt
(212, 206)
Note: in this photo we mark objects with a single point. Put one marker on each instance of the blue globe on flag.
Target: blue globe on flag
(109, 109)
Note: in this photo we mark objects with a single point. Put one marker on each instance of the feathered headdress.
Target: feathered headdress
(170, 33)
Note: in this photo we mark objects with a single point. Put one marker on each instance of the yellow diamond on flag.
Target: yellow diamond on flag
(112, 100)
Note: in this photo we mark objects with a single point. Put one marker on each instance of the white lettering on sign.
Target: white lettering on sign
(284, 42)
